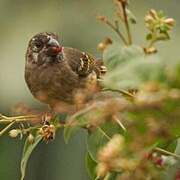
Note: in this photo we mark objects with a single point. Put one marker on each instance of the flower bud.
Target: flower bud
(112, 149)
(126, 164)
(124, 2)
(101, 47)
(47, 132)
(169, 21)
(102, 169)
(153, 13)
(30, 138)
(101, 18)
(13, 133)
(151, 50)
(148, 19)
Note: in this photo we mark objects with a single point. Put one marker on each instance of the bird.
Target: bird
(54, 73)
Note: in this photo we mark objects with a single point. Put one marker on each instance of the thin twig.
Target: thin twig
(5, 121)
(97, 178)
(102, 131)
(167, 152)
(119, 10)
(107, 176)
(119, 122)
(83, 111)
(116, 24)
(18, 119)
(126, 23)
(114, 27)
(124, 92)
(6, 128)
(152, 43)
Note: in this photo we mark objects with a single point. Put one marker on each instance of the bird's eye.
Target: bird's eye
(37, 46)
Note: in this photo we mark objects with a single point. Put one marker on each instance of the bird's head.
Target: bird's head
(44, 48)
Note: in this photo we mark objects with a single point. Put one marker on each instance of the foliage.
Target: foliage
(28, 148)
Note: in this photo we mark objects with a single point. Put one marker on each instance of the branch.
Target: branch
(167, 152)
(115, 27)
(123, 92)
(6, 128)
(17, 119)
(126, 23)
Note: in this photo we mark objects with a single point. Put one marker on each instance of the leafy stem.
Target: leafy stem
(127, 23)
(17, 119)
(114, 26)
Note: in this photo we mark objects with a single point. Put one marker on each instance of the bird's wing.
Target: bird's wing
(82, 63)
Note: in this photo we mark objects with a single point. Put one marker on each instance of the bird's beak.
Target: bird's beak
(53, 47)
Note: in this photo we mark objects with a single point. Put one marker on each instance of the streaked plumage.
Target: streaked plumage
(54, 73)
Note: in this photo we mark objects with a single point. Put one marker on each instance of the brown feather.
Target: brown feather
(52, 80)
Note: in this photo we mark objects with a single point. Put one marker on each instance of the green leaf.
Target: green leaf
(100, 136)
(164, 29)
(28, 149)
(128, 67)
(69, 132)
(172, 146)
(78, 120)
(91, 166)
(95, 141)
(116, 55)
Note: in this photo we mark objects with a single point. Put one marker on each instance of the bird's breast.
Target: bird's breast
(53, 82)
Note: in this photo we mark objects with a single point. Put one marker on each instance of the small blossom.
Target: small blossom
(102, 169)
(151, 50)
(124, 2)
(148, 19)
(126, 164)
(14, 133)
(103, 45)
(112, 149)
(30, 138)
(170, 21)
(101, 18)
(47, 132)
(153, 13)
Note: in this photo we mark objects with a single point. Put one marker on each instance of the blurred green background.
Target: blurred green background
(75, 23)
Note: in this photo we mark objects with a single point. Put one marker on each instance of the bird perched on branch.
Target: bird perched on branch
(54, 73)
